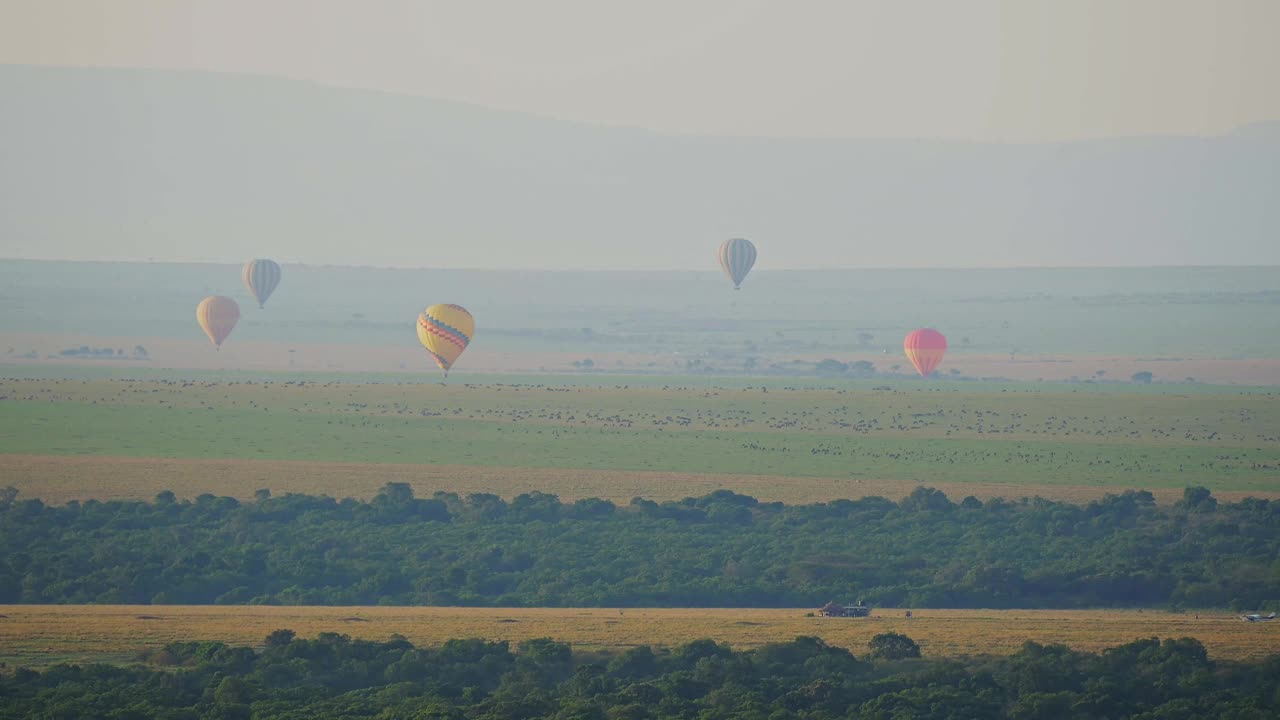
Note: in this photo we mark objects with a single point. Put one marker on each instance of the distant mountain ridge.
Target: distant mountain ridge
(129, 164)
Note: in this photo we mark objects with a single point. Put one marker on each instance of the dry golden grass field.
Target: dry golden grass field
(40, 635)
(59, 479)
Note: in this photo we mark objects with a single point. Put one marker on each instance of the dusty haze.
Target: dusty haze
(1012, 70)
(585, 135)
(187, 166)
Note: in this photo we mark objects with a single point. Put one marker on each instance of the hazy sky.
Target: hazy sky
(1019, 70)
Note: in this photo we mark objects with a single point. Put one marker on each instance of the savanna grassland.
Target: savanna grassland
(108, 437)
(617, 439)
(59, 479)
(46, 634)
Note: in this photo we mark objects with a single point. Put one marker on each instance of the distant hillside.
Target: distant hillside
(130, 163)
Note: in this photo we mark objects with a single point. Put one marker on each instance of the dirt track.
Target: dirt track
(58, 479)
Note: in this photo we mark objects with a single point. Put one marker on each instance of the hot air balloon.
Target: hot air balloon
(736, 257)
(261, 277)
(445, 331)
(924, 349)
(217, 315)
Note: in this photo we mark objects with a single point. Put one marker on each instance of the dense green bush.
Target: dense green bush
(723, 549)
(333, 676)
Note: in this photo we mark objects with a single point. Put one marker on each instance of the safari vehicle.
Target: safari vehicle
(833, 609)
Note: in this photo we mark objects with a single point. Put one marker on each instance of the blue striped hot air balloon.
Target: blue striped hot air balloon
(736, 258)
(261, 277)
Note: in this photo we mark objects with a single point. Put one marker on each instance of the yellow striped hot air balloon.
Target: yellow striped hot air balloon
(217, 315)
(261, 278)
(445, 331)
(736, 257)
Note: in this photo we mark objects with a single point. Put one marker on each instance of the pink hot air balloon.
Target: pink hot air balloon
(924, 349)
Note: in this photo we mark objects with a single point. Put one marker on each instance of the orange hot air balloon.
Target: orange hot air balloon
(924, 349)
(217, 315)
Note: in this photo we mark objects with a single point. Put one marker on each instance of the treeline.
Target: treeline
(720, 550)
(333, 676)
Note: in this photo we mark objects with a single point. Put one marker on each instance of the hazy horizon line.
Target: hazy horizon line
(628, 127)
(710, 269)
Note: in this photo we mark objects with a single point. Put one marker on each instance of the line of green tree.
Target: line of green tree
(719, 550)
(333, 676)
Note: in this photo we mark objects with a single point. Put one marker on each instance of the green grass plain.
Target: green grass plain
(1102, 435)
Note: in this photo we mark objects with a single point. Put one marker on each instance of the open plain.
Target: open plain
(99, 434)
(47, 634)
(109, 438)
(59, 479)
